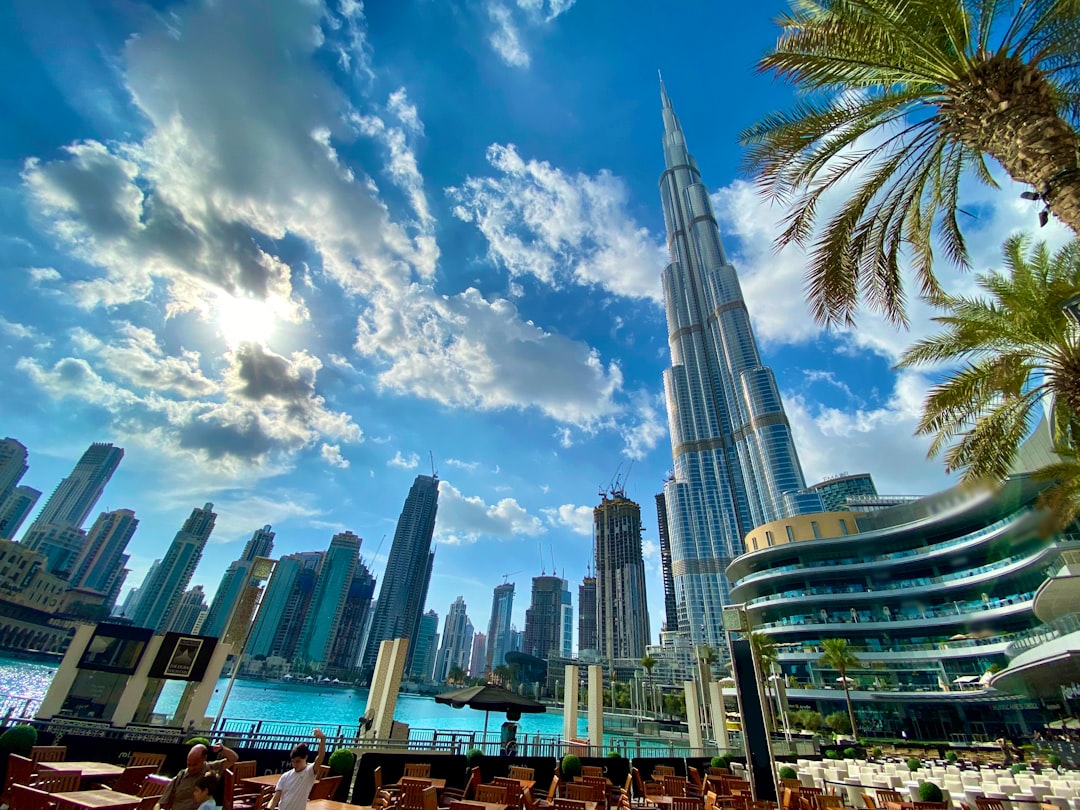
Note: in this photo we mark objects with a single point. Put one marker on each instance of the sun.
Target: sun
(245, 320)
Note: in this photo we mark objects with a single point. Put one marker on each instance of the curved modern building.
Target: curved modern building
(930, 595)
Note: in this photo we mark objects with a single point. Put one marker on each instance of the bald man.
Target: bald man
(179, 795)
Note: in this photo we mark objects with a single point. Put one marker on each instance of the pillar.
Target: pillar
(596, 710)
(693, 714)
(385, 683)
(719, 716)
(136, 685)
(199, 694)
(65, 674)
(570, 704)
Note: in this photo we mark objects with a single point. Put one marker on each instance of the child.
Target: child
(295, 785)
(204, 792)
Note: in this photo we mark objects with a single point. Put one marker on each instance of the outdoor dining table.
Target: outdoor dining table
(438, 783)
(258, 782)
(89, 770)
(485, 805)
(330, 804)
(96, 799)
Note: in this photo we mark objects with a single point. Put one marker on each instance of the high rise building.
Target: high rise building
(100, 566)
(456, 641)
(284, 605)
(566, 623)
(427, 641)
(163, 588)
(190, 610)
(671, 612)
(77, 494)
(12, 466)
(408, 573)
(733, 454)
(59, 545)
(478, 658)
(348, 643)
(131, 604)
(587, 615)
(622, 621)
(335, 577)
(543, 619)
(235, 580)
(15, 509)
(498, 645)
(836, 491)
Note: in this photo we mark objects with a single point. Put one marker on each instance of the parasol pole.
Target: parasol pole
(487, 714)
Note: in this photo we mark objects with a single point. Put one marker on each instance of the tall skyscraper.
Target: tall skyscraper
(189, 613)
(60, 545)
(671, 612)
(498, 645)
(100, 566)
(733, 454)
(427, 641)
(348, 643)
(77, 494)
(131, 604)
(622, 621)
(161, 590)
(12, 465)
(478, 658)
(15, 509)
(328, 601)
(566, 623)
(284, 606)
(456, 641)
(543, 619)
(235, 580)
(408, 572)
(586, 598)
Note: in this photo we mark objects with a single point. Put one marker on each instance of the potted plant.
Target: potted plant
(570, 767)
(929, 792)
(342, 762)
(720, 762)
(914, 764)
(850, 753)
(18, 740)
(788, 772)
(473, 756)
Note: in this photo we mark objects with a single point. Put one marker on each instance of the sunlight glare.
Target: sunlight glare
(245, 320)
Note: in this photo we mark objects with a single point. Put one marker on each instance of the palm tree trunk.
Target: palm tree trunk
(1006, 108)
(850, 710)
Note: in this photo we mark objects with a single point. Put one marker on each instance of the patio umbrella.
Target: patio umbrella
(490, 698)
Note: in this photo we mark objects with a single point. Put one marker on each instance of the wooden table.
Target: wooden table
(96, 799)
(258, 782)
(438, 784)
(330, 804)
(485, 805)
(89, 770)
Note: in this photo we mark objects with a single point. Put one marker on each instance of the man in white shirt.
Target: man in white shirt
(295, 785)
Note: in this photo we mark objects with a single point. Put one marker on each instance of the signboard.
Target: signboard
(183, 657)
(115, 648)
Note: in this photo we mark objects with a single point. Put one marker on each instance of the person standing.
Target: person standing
(294, 786)
(180, 793)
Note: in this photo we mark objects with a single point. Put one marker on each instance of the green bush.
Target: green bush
(570, 767)
(341, 762)
(1018, 768)
(838, 722)
(876, 753)
(472, 756)
(613, 754)
(1054, 760)
(832, 753)
(788, 773)
(850, 753)
(198, 741)
(720, 762)
(18, 740)
(929, 792)
(914, 764)
(951, 756)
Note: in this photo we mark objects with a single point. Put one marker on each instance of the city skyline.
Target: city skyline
(459, 257)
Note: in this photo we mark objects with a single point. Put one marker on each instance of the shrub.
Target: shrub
(838, 722)
(613, 754)
(1054, 760)
(951, 756)
(570, 767)
(929, 792)
(198, 741)
(472, 756)
(788, 773)
(914, 764)
(18, 740)
(341, 762)
(1018, 768)
(832, 753)
(876, 753)
(720, 762)
(850, 753)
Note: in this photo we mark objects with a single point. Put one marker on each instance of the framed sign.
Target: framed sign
(183, 657)
(115, 648)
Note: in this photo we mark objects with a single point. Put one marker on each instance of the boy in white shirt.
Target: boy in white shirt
(295, 785)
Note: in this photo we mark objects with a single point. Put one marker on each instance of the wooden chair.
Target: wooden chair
(731, 802)
(719, 771)
(930, 805)
(545, 798)
(381, 801)
(886, 795)
(581, 792)
(235, 798)
(736, 787)
(140, 758)
(687, 803)
(762, 804)
(48, 753)
(981, 803)
(868, 800)
(325, 788)
(491, 793)
(794, 784)
(58, 781)
(154, 785)
(829, 802)
(322, 772)
(521, 772)
(660, 771)
(457, 795)
(513, 789)
(527, 801)
(28, 798)
(790, 799)
(645, 790)
(674, 786)
(20, 771)
(411, 795)
(131, 780)
(431, 799)
(418, 769)
(592, 770)
(69, 804)
(569, 804)
(466, 806)
(248, 769)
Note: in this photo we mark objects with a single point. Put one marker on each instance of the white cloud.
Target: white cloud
(579, 519)
(465, 519)
(505, 38)
(468, 466)
(42, 275)
(409, 462)
(548, 9)
(561, 228)
(240, 514)
(331, 454)
(17, 330)
(648, 427)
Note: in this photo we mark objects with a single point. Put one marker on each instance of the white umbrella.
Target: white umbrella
(845, 679)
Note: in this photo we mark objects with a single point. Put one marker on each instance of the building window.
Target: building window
(768, 538)
(843, 527)
(816, 529)
(790, 534)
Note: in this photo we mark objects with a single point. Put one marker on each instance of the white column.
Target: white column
(719, 720)
(570, 704)
(135, 687)
(65, 674)
(200, 696)
(385, 683)
(596, 709)
(693, 714)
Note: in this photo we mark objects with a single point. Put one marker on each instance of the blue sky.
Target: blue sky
(279, 251)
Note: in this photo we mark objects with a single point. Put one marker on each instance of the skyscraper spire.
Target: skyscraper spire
(734, 458)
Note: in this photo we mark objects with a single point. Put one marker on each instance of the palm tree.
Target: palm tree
(900, 99)
(765, 651)
(1019, 348)
(837, 656)
(648, 662)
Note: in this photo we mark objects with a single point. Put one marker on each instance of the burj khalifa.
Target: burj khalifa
(735, 465)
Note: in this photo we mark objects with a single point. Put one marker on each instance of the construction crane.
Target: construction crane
(509, 574)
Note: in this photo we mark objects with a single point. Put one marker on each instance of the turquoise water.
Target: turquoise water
(281, 702)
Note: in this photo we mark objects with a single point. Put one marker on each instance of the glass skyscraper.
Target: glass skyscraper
(730, 440)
